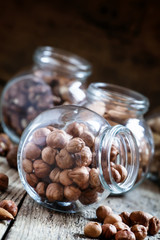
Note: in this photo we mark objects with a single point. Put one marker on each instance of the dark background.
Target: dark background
(120, 38)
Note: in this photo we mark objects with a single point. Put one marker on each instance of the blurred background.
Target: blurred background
(119, 38)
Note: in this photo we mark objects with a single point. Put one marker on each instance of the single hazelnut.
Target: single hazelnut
(57, 139)
(92, 229)
(122, 171)
(5, 144)
(125, 235)
(88, 138)
(32, 151)
(154, 226)
(32, 179)
(112, 218)
(139, 217)
(102, 212)
(41, 169)
(10, 206)
(80, 176)
(88, 196)
(48, 155)
(41, 189)
(114, 153)
(54, 175)
(84, 157)
(27, 165)
(3, 181)
(72, 193)
(116, 175)
(64, 178)
(12, 156)
(94, 180)
(139, 231)
(75, 129)
(108, 231)
(75, 145)
(125, 218)
(121, 226)
(54, 192)
(39, 136)
(64, 159)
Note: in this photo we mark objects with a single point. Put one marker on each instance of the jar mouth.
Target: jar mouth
(62, 61)
(115, 94)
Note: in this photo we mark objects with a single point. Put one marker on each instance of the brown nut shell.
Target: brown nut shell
(75, 129)
(41, 169)
(92, 229)
(12, 156)
(125, 218)
(108, 231)
(72, 193)
(122, 171)
(5, 215)
(64, 159)
(140, 231)
(41, 189)
(10, 206)
(64, 178)
(75, 145)
(125, 235)
(48, 155)
(31, 151)
(88, 138)
(27, 165)
(54, 192)
(88, 196)
(139, 217)
(57, 139)
(80, 176)
(154, 226)
(94, 180)
(32, 179)
(121, 226)
(112, 218)
(39, 136)
(54, 175)
(4, 180)
(84, 157)
(102, 212)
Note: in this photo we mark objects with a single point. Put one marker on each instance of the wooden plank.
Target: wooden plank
(36, 222)
(14, 192)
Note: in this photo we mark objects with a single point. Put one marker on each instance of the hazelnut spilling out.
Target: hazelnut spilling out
(60, 164)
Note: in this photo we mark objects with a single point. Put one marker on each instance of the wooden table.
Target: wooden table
(36, 222)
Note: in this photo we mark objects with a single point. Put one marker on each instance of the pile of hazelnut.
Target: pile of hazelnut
(125, 226)
(59, 164)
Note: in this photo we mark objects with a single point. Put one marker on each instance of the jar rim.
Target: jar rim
(120, 95)
(62, 61)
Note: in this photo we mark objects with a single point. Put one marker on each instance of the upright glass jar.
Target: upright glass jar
(70, 158)
(121, 105)
(56, 78)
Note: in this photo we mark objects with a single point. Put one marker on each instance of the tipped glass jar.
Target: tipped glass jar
(70, 158)
(56, 78)
(119, 105)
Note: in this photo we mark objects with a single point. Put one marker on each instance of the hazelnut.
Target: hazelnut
(139, 217)
(88, 196)
(84, 157)
(125, 235)
(114, 153)
(10, 206)
(154, 226)
(54, 192)
(112, 218)
(64, 178)
(54, 175)
(72, 193)
(64, 159)
(12, 156)
(41, 189)
(121, 226)
(122, 171)
(27, 165)
(80, 176)
(75, 145)
(108, 231)
(32, 179)
(3, 181)
(88, 138)
(39, 136)
(94, 180)
(48, 155)
(32, 151)
(5, 215)
(41, 169)
(5, 144)
(102, 212)
(92, 229)
(139, 231)
(57, 139)
(125, 218)
(116, 175)
(75, 129)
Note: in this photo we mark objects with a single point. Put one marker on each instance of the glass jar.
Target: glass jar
(70, 158)
(153, 120)
(119, 105)
(56, 78)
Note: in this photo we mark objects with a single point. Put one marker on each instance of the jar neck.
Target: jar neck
(121, 139)
(65, 64)
(117, 97)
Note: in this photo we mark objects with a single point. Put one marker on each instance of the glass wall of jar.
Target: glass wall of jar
(153, 120)
(119, 105)
(56, 78)
(70, 158)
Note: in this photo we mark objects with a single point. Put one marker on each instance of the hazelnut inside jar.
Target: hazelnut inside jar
(120, 105)
(70, 158)
(57, 77)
